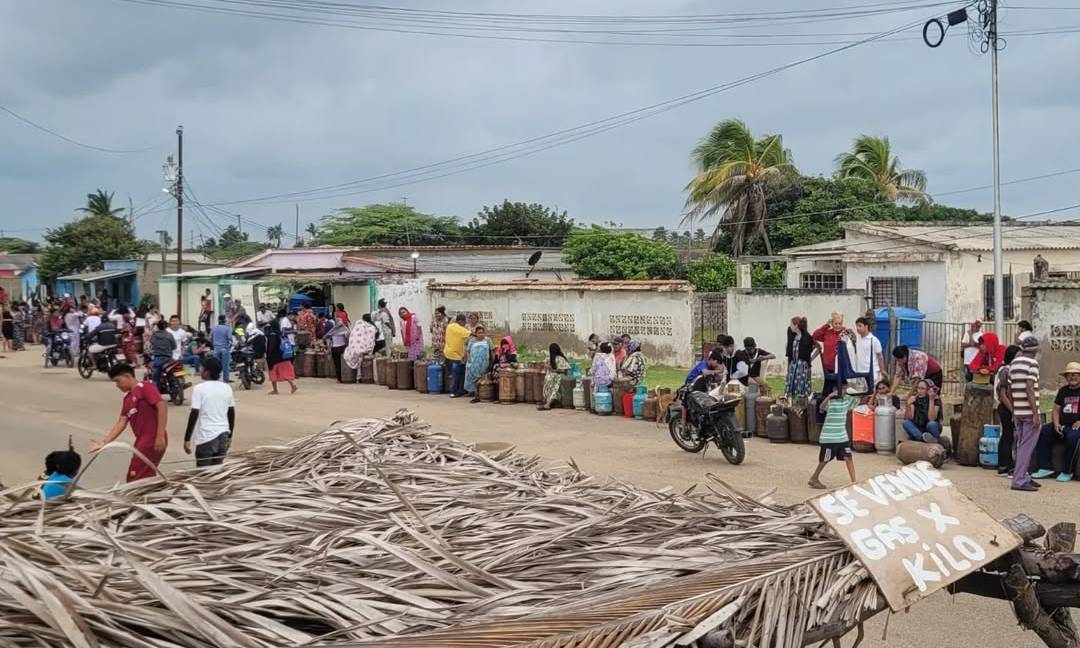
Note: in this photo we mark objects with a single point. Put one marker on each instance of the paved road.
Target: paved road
(41, 407)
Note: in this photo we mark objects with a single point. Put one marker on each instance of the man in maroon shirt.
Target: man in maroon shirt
(147, 414)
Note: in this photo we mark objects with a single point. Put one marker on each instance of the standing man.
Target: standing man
(869, 358)
(147, 414)
(212, 418)
(385, 321)
(970, 346)
(206, 313)
(454, 352)
(221, 340)
(73, 319)
(1024, 392)
(181, 336)
(827, 337)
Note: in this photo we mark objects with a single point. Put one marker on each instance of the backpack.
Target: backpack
(287, 350)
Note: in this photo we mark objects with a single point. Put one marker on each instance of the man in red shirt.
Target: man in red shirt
(147, 414)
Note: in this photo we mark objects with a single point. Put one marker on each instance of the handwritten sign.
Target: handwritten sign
(914, 531)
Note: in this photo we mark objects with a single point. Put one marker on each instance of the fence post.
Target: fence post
(893, 337)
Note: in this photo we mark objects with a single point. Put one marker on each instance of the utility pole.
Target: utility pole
(296, 236)
(179, 218)
(162, 246)
(239, 225)
(131, 214)
(999, 280)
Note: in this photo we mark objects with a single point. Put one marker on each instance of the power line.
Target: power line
(67, 139)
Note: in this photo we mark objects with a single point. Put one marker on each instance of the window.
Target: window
(821, 280)
(895, 291)
(988, 296)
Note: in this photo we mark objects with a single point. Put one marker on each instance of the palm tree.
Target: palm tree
(99, 203)
(274, 234)
(733, 170)
(871, 159)
(312, 229)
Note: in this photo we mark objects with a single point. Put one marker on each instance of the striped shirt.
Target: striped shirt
(834, 430)
(1023, 370)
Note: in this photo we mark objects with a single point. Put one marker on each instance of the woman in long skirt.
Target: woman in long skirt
(281, 368)
(477, 361)
(800, 351)
(558, 366)
(633, 367)
(412, 333)
(19, 327)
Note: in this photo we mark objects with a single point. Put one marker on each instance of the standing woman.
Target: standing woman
(438, 332)
(281, 368)
(361, 342)
(37, 323)
(558, 366)
(477, 361)
(472, 321)
(19, 322)
(633, 367)
(800, 352)
(7, 328)
(339, 339)
(412, 333)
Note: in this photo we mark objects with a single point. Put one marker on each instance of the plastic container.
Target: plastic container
(435, 378)
(988, 446)
(776, 424)
(862, 429)
(885, 427)
(602, 401)
(420, 375)
(579, 396)
(628, 405)
(909, 321)
(507, 387)
(638, 403)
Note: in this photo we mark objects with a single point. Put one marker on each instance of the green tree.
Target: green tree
(17, 245)
(871, 158)
(734, 170)
(231, 236)
(99, 203)
(85, 243)
(715, 273)
(519, 223)
(386, 224)
(598, 253)
(274, 233)
(660, 234)
(312, 229)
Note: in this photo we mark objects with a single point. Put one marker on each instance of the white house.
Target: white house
(944, 270)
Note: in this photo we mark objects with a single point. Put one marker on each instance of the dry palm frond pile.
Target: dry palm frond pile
(385, 532)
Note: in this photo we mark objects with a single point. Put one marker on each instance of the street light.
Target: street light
(168, 173)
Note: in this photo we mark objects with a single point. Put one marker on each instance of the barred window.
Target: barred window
(821, 280)
(988, 296)
(895, 291)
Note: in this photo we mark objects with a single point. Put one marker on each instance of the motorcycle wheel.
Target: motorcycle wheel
(68, 361)
(731, 442)
(683, 436)
(86, 367)
(176, 393)
(257, 376)
(245, 378)
(53, 361)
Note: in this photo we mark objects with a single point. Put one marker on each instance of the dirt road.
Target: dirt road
(40, 407)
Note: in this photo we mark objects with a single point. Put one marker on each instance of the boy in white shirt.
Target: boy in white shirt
(213, 417)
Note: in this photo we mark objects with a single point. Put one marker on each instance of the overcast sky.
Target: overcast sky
(272, 107)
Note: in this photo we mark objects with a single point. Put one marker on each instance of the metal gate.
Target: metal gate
(710, 320)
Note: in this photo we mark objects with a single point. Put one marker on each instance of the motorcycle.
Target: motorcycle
(249, 371)
(171, 382)
(708, 420)
(102, 361)
(57, 348)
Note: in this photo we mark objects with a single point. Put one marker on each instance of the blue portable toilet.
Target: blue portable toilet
(909, 321)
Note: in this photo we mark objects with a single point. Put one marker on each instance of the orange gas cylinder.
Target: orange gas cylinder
(628, 405)
(862, 429)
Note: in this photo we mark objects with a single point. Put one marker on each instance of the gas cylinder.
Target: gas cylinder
(796, 417)
(909, 452)
(485, 389)
(519, 385)
(435, 378)
(310, 360)
(813, 430)
(405, 374)
(628, 405)
(566, 391)
(320, 364)
(776, 424)
(390, 368)
(328, 365)
(638, 403)
(885, 427)
(538, 385)
(367, 369)
(506, 385)
(752, 393)
(602, 400)
(651, 401)
(761, 415)
(586, 384)
(379, 364)
(348, 374)
(579, 395)
(447, 379)
(420, 376)
(988, 446)
(529, 396)
(862, 429)
(618, 389)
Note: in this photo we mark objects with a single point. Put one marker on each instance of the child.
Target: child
(834, 440)
(61, 467)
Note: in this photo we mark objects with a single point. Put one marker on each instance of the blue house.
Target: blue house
(118, 278)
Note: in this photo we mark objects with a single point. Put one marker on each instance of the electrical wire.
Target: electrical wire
(67, 139)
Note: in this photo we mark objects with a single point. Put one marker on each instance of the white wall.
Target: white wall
(798, 265)
(764, 315)
(966, 272)
(1055, 322)
(931, 275)
(354, 297)
(538, 316)
(410, 293)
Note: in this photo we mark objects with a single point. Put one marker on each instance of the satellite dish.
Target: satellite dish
(534, 258)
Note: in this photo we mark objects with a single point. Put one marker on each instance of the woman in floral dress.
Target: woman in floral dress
(477, 361)
(412, 333)
(438, 332)
(558, 366)
(633, 367)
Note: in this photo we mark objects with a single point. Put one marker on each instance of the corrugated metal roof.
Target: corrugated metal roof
(824, 247)
(466, 259)
(574, 284)
(957, 236)
(97, 275)
(210, 273)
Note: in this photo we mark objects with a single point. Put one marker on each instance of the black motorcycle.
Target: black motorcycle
(58, 349)
(102, 361)
(707, 420)
(247, 368)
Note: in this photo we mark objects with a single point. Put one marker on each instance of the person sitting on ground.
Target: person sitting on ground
(558, 366)
(990, 356)
(212, 420)
(602, 371)
(922, 413)
(834, 443)
(61, 467)
(1064, 428)
(913, 365)
(881, 390)
(632, 369)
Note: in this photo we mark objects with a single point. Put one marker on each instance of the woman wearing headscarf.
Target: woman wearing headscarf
(990, 356)
(602, 372)
(477, 361)
(412, 333)
(633, 367)
(558, 366)
(505, 357)
(438, 332)
(281, 368)
(361, 341)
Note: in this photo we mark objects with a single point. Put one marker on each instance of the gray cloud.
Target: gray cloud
(271, 108)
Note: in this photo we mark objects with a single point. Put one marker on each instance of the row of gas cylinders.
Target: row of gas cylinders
(515, 384)
(785, 421)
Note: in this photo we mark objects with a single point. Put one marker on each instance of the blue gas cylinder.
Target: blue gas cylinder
(640, 396)
(988, 446)
(602, 401)
(435, 378)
